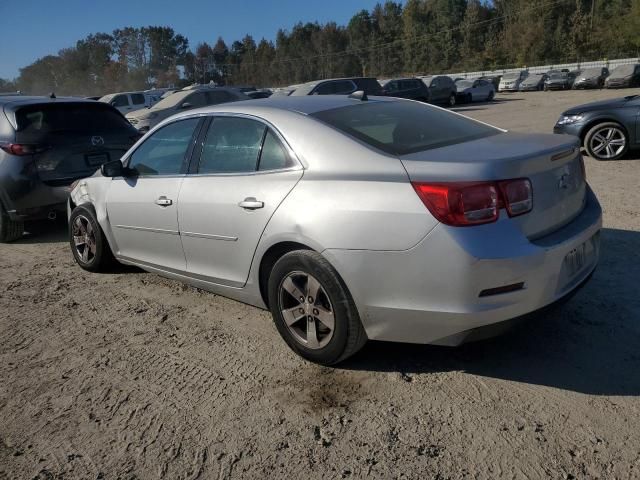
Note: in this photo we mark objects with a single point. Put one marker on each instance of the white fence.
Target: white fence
(610, 64)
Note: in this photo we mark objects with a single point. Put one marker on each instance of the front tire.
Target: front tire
(606, 141)
(88, 244)
(452, 100)
(313, 309)
(10, 230)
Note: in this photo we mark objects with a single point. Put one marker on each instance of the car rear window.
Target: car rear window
(87, 117)
(400, 128)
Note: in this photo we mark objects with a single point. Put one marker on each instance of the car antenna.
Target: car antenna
(359, 95)
(52, 95)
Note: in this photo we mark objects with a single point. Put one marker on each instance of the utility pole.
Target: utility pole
(593, 9)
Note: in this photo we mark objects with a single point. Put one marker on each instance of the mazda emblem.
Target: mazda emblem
(97, 140)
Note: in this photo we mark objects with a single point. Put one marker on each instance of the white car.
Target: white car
(127, 102)
(510, 82)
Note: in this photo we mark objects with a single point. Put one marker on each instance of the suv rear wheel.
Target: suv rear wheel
(313, 310)
(10, 230)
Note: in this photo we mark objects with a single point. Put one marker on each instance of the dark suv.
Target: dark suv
(442, 89)
(45, 145)
(411, 88)
(339, 86)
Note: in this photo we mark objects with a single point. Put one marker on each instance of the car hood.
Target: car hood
(556, 80)
(601, 105)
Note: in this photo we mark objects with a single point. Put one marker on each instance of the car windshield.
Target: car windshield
(557, 75)
(464, 83)
(89, 117)
(623, 70)
(400, 128)
(172, 100)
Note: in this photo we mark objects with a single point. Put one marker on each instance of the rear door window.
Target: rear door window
(164, 152)
(137, 98)
(232, 145)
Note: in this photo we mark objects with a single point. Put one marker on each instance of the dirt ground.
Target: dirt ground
(129, 375)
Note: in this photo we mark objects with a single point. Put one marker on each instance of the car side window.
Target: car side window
(273, 155)
(137, 99)
(219, 96)
(232, 145)
(197, 99)
(391, 86)
(120, 101)
(163, 153)
(325, 89)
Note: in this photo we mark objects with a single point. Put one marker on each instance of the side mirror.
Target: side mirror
(112, 103)
(185, 105)
(112, 169)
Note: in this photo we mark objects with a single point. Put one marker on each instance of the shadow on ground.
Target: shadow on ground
(589, 345)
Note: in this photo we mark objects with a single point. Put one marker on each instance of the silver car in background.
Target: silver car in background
(475, 90)
(349, 218)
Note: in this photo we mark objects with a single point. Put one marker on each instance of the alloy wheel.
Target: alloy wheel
(306, 310)
(608, 142)
(84, 239)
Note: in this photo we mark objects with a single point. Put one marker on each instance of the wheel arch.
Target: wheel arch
(269, 259)
(592, 123)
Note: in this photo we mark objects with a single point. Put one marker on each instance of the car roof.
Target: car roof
(305, 105)
(20, 100)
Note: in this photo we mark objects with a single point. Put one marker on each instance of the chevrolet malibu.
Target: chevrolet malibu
(349, 218)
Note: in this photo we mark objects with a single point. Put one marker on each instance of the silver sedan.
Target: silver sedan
(349, 218)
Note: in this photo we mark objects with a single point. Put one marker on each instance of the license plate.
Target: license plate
(97, 159)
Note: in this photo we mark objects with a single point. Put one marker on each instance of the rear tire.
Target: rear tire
(491, 96)
(10, 230)
(606, 141)
(89, 245)
(452, 100)
(313, 309)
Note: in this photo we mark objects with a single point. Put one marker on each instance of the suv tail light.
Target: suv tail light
(22, 149)
(475, 203)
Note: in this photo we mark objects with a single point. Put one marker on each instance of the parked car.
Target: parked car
(624, 76)
(45, 145)
(559, 81)
(339, 86)
(127, 102)
(494, 79)
(475, 90)
(186, 99)
(510, 82)
(411, 88)
(93, 98)
(442, 89)
(607, 129)
(264, 93)
(591, 78)
(343, 217)
(533, 82)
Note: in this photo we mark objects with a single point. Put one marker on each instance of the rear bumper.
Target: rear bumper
(430, 293)
(27, 198)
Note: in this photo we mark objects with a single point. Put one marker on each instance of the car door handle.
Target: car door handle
(250, 203)
(164, 201)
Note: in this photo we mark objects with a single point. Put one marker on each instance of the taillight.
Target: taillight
(517, 196)
(21, 149)
(475, 203)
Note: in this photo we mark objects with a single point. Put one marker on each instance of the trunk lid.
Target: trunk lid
(551, 162)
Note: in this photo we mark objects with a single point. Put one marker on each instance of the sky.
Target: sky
(42, 27)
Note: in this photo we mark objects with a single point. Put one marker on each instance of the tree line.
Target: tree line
(392, 39)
